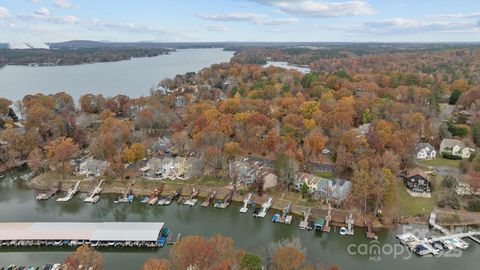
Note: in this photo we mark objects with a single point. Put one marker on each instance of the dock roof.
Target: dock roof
(93, 231)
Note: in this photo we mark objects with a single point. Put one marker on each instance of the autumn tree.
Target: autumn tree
(216, 252)
(287, 258)
(60, 152)
(285, 168)
(155, 264)
(86, 258)
(313, 144)
(36, 161)
(251, 261)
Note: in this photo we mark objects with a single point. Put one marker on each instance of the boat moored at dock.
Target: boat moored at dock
(210, 197)
(262, 211)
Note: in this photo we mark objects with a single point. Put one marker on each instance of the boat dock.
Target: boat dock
(246, 202)
(328, 219)
(210, 198)
(70, 193)
(154, 197)
(304, 224)
(284, 216)
(94, 195)
(127, 195)
(434, 225)
(370, 233)
(167, 201)
(262, 211)
(226, 200)
(350, 221)
(111, 234)
(50, 193)
(192, 199)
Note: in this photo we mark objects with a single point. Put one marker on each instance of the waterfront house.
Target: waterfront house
(425, 151)
(242, 172)
(455, 147)
(336, 190)
(418, 181)
(92, 167)
(269, 178)
(463, 187)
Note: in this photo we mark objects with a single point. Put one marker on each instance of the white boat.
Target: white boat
(93, 199)
(343, 231)
(70, 193)
(264, 208)
(191, 202)
(246, 202)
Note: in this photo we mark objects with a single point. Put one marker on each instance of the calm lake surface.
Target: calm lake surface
(133, 78)
(17, 203)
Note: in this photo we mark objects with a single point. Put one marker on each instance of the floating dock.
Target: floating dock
(146, 234)
(70, 193)
(127, 195)
(153, 198)
(246, 202)
(171, 197)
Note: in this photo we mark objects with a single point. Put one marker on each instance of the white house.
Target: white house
(425, 151)
(456, 147)
(92, 167)
(463, 188)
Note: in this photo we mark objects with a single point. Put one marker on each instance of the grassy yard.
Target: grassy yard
(406, 205)
(440, 162)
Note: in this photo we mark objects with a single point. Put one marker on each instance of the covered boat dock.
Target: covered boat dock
(78, 233)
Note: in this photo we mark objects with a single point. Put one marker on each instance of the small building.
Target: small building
(418, 181)
(92, 167)
(363, 129)
(269, 179)
(455, 147)
(425, 151)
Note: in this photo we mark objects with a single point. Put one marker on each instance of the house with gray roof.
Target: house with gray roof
(456, 147)
(92, 167)
(425, 151)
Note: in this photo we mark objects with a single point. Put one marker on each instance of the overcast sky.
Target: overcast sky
(37, 21)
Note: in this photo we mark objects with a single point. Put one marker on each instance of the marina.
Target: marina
(435, 244)
(131, 234)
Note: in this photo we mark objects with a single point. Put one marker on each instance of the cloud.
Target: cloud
(216, 27)
(256, 18)
(42, 12)
(34, 1)
(4, 13)
(314, 8)
(62, 4)
(413, 26)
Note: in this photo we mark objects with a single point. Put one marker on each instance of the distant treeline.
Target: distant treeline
(61, 57)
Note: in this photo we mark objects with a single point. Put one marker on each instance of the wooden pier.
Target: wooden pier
(350, 221)
(328, 219)
(50, 193)
(154, 197)
(304, 223)
(226, 200)
(94, 195)
(370, 233)
(209, 198)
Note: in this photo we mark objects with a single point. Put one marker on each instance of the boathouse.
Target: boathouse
(119, 232)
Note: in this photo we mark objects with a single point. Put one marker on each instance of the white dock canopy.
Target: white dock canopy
(92, 231)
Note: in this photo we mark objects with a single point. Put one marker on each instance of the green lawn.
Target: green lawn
(440, 162)
(407, 205)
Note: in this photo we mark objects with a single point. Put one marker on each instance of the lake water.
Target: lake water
(133, 77)
(17, 203)
(285, 65)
